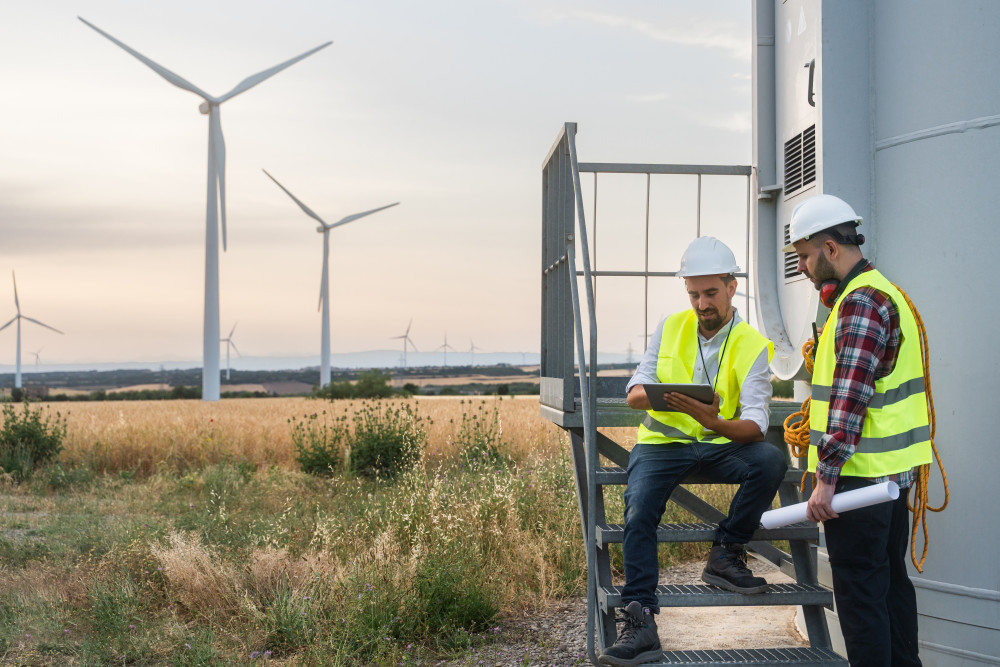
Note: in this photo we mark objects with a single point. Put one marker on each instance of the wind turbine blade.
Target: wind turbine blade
(159, 69)
(407, 334)
(14, 319)
(232, 330)
(31, 319)
(235, 348)
(352, 218)
(17, 304)
(219, 148)
(308, 211)
(412, 345)
(251, 81)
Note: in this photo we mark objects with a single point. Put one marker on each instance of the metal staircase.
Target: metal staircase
(574, 398)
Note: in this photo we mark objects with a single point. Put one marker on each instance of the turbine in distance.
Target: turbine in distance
(324, 286)
(406, 340)
(230, 343)
(17, 318)
(216, 200)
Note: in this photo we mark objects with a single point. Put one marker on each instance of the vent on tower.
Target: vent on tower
(791, 259)
(800, 161)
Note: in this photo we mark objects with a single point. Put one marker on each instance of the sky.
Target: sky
(448, 107)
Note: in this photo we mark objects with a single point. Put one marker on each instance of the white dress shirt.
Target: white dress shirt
(755, 394)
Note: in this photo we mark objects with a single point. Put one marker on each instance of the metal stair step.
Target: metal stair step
(618, 475)
(691, 595)
(613, 533)
(612, 475)
(803, 656)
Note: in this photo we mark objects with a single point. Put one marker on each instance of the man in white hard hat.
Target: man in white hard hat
(721, 442)
(869, 423)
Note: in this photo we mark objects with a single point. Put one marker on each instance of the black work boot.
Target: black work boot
(638, 641)
(727, 568)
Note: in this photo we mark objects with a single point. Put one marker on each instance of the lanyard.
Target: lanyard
(732, 323)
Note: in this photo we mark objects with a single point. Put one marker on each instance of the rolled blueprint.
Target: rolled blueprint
(842, 502)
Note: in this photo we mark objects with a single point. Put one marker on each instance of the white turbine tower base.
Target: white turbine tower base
(17, 318)
(216, 200)
(324, 286)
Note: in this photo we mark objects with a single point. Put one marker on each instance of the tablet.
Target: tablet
(699, 392)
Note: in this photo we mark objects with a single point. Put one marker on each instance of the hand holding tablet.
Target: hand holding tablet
(655, 392)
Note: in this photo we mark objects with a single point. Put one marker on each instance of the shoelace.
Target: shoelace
(740, 561)
(632, 626)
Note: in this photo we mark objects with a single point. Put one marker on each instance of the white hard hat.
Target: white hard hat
(707, 256)
(817, 214)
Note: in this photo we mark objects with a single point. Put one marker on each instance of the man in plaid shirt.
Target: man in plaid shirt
(868, 363)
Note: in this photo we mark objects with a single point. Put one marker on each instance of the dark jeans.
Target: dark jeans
(875, 599)
(653, 473)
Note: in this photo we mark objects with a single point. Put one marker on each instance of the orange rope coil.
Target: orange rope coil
(920, 504)
(797, 437)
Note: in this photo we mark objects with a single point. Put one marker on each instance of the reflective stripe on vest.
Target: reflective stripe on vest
(879, 401)
(678, 351)
(895, 435)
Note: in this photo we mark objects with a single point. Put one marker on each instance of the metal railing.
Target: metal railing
(562, 206)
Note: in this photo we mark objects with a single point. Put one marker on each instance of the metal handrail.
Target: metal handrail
(588, 380)
(587, 369)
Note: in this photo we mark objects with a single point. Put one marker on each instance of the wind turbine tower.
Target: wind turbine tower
(17, 318)
(445, 348)
(406, 340)
(230, 343)
(216, 200)
(324, 287)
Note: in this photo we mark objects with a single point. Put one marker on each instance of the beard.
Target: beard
(711, 319)
(824, 271)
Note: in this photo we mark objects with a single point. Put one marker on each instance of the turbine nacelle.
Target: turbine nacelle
(321, 229)
(205, 108)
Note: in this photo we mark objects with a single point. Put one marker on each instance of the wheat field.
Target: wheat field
(149, 436)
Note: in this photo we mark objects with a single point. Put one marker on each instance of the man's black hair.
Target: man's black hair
(845, 234)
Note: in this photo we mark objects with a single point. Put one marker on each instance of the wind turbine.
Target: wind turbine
(324, 286)
(17, 318)
(216, 201)
(472, 351)
(406, 339)
(445, 347)
(38, 359)
(228, 340)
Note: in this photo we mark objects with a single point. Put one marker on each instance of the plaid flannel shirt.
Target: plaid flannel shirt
(866, 342)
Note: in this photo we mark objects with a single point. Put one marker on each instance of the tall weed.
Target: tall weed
(28, 440)
(480, 437)
(388, 439)
(321, 445)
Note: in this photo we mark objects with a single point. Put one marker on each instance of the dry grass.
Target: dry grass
(182, 435)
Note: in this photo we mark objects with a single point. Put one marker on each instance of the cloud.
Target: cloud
(716, 35)
(649, 97)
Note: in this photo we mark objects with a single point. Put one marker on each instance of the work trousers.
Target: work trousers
(876, 603)
(654, 471)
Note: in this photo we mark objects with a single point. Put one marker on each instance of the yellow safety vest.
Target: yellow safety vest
(895, 436)
(678, 350)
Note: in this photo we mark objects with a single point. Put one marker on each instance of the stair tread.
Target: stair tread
(772, 656)
(704, 595)
(618, 475)
(608, 533)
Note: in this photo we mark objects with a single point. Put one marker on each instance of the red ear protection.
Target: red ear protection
(826, 292)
